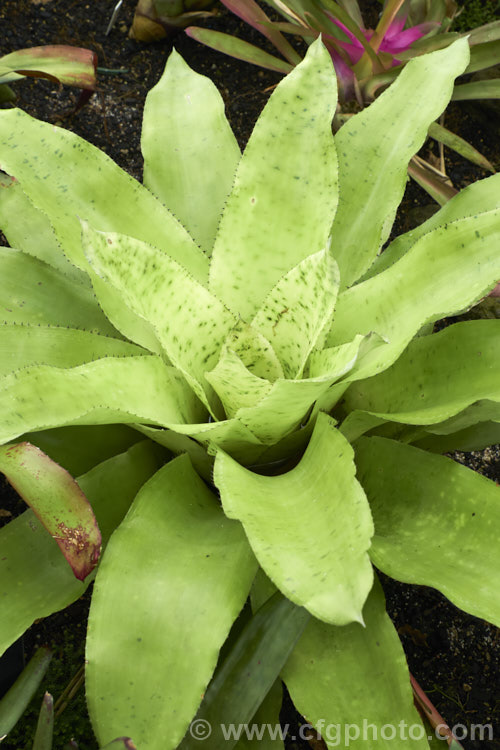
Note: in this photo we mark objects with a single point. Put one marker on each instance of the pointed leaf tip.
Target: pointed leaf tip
(58, 502)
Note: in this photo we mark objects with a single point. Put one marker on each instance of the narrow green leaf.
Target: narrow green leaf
(175, 559)
(248, 673)
(25, 345)
(267, 716)
(298, 309)
(16, 700)
(238, 48)
(45, 726)
(35, 580)
(236, 386)
(447, 270)
(54, 299)
(461, 146)
(255, 351)
(124, 389)
(286, 179)
(373, 166)
(487, 33)
(188, 167)
(95, 189)
(481, 196)
(57, 501)
(431, 516)
(489, 89)
(288, 510)
(160, 291)
(354, 680)
(436, 377)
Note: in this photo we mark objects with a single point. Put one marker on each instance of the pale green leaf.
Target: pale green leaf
(35, 293)
(236, 386)
(473, 438)
(255, 351)
(124, 389)
(174, 562)
(26, 345)
(35, 580)
(189, 322)
(374, 148)
(298, 309)
(436, 377)
(431, 517)
(280, 515)
(481, 196)
(354, 680)
(190, 152)
(28, 229)
(286, 180)
(446, 270)
(94, 189)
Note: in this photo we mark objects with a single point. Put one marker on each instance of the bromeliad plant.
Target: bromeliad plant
(367, 60)
(253, 330)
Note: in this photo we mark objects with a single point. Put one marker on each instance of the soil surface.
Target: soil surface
(455, 657)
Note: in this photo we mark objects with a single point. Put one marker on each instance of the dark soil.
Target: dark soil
(454, 656)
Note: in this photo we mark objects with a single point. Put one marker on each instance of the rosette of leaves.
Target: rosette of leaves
(253, 330)
(367, 60)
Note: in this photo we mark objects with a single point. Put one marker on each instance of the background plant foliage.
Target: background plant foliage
(284, 368)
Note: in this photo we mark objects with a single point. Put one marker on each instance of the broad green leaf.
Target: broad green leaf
(431, 516)
(26, 345)
(16, 700)
(374, 149)
(178, 561)
(445, 271)
(178, 444)
(483, 56)
(489, 89)
(266, 717)
(289, 510)
(190, 157)
(45, 725)
(35, 293)
(190, 323)
(94, 189)
(481, 196)
(298, 309)
(236, 386)
(247, 673)
(354, 680)
(57, 501)
(79, 449)
(35, 580)
(337, 361)
(255, 351)
(286, 407)
(286, 180)
(123, 389)
(473, 438)
(481, 411)
(436, 377)
(28, 229)
(238, 48)
(73, 66)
